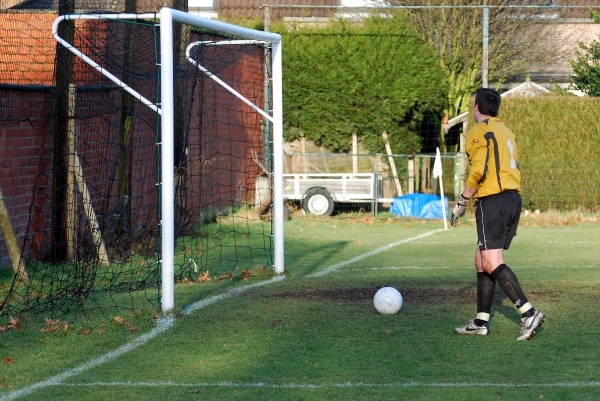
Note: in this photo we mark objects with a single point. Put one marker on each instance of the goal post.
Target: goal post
(166, 110)
(167, 17)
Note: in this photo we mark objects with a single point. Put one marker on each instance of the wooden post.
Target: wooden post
(89, 211)
(71, 195)
(304, 157)
(75, 178)
(411, 174)
(417, 173)
(11, 241)
(60, 157)
(388, 148)
(355, 153)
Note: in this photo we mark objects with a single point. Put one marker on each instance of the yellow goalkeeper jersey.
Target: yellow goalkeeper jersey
(492, 152)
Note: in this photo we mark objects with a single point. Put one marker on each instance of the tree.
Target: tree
(518, 38)
(586, 65)
(347, 78)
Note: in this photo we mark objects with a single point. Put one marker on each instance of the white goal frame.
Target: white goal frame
(167, 17)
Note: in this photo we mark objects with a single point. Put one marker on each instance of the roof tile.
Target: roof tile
(254, 8)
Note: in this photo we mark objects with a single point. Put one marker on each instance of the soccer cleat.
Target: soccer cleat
(472, 328)
(529, 324)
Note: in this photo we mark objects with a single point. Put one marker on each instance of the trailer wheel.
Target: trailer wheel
(287, 215)
(318, 201)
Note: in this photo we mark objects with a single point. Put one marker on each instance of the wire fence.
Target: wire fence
(552, 187)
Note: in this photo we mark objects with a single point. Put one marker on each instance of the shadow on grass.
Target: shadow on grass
(308, 257)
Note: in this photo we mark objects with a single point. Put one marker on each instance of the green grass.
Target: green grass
(318, 337)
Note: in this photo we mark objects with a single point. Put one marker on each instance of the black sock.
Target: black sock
(486, 286)
(509, 284)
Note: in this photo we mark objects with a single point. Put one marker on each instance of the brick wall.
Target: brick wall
(23, 145)
(223, 133)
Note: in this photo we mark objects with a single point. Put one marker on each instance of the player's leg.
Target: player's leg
(499, 220)
(486, 287)
(531, 318)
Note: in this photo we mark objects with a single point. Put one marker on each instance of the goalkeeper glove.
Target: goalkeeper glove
(459, 209)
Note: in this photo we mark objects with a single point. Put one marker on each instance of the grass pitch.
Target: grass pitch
(314, 335)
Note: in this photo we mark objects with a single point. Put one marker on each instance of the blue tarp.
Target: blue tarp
(422, 206)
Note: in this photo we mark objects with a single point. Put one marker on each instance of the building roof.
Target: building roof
(87, 6)
(526, 89)
(577, 13)
(225, 8)
(255, 9)
(80, 6)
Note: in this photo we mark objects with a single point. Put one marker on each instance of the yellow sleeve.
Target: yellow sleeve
(476, 147)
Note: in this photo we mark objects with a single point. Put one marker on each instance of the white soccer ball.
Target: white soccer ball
(387, 300)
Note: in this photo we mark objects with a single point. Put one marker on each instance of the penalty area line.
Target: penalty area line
(162, 325)
(335, 267)
(226, 384)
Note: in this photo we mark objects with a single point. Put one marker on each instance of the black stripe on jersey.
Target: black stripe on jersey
(490, 137)
(485, 166)
(487, 158)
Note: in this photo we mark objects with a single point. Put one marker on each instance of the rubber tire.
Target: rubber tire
(318, 201)
(287, 215)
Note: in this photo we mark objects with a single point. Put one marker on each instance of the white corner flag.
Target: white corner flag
(437, 173)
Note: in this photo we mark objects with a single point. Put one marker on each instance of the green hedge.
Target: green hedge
(345, 78)
(558, 147)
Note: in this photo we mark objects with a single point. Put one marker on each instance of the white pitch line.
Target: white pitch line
(333, 268)
(162, 325)
(235, 291)
(514, 267)
(575, 384)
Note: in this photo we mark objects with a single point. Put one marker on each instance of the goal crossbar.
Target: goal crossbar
(189, 57)
(167, 17)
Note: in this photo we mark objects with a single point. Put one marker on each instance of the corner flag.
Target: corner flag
(437, 173)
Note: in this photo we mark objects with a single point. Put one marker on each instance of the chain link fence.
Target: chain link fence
(370, 182)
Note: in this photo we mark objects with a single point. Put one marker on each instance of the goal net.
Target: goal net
(164, 158)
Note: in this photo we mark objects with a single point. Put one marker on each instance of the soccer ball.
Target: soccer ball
(387, 300)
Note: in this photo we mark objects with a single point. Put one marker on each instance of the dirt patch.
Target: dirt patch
(413, 295)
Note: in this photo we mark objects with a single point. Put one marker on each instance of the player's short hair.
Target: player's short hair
(488, 101)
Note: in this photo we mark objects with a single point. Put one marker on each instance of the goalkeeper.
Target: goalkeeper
(494, 185)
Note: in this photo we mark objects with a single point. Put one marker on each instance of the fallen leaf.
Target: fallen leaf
(119, 320)
(8, 359)
(14, 323)
(84, 332)
(204, 277)
(133, 328)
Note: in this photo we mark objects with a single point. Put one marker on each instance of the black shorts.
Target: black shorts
(497, 218)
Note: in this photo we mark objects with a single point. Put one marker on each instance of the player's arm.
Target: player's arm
(461, 204)
(474, 150)
(477, 150)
